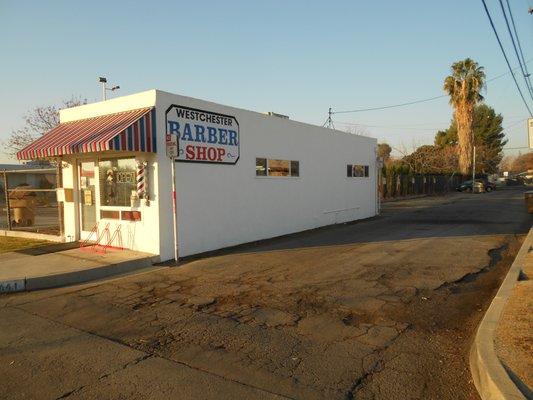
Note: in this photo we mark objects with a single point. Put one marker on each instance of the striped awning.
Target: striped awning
(125, 131)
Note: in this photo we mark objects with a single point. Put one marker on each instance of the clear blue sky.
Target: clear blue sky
(293, 57)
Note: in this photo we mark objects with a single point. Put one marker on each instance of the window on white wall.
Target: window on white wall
(117, 181)
(275, 167)
(357, 171)
(261, 167)
(279, 167)
(295, 168)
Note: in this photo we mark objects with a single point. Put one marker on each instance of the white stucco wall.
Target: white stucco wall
(225, 205)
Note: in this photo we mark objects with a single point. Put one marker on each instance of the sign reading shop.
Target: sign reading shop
(203, 136)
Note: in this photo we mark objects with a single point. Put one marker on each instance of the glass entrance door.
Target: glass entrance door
(87, 185)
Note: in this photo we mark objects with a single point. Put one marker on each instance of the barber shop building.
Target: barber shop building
(168, 174)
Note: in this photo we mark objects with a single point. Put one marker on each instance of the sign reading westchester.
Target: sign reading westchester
(204, 136)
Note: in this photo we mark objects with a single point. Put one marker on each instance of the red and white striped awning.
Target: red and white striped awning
(125, 131)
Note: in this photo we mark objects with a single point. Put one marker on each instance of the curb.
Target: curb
(76, 277)
(490, 377)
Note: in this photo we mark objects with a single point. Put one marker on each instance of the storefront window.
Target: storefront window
(272, 167)
(295, 168)
(260, 166)
(117, 181)
(278, 168)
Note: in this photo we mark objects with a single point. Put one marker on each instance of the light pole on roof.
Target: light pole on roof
(103, 81)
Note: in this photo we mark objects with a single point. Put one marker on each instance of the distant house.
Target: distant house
(32, 174)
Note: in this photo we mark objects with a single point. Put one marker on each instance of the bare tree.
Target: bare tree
(356, 130)
(506, 164)
(37, 122)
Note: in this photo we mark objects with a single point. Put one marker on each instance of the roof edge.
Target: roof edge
(112, 106)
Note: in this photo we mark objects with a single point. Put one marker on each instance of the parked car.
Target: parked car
(466, 186)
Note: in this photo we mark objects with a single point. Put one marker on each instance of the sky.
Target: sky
(296, 58)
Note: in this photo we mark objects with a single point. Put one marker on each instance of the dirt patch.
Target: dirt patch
(514, 336)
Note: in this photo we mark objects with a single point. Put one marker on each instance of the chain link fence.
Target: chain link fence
(402, 185)
(28, 201)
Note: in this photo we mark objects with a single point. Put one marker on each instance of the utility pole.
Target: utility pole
(474, 170)
(329, 121)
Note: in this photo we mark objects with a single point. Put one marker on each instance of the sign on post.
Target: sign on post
(203, 136)
(171, 145)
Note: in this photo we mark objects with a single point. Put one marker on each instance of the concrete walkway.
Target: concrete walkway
(33, 269)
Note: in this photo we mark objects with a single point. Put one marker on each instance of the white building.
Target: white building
(240, 176)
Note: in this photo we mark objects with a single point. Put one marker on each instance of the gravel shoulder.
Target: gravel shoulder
(514, 334)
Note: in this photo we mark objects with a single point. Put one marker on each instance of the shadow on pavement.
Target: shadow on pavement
(458, 214)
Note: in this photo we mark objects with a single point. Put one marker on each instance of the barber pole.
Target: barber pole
(141, 179)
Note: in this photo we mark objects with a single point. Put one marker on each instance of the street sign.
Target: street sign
(171, 145)
(530, 132)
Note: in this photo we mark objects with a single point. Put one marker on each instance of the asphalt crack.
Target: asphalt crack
(495, 255)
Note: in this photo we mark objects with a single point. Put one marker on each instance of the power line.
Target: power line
(514, 47)
(391, 106)
(527, 75)
(410, 102)
(505, 55)
(516, 123)
(412, 127)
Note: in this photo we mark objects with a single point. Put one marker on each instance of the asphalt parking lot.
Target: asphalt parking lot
(378, 309)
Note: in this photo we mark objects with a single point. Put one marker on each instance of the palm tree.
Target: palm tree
(464, 86)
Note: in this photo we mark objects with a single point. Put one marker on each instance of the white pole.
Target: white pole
(103, 91)
(474, 170)
(174, 209)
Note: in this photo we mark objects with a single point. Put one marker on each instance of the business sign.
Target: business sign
(203, 136)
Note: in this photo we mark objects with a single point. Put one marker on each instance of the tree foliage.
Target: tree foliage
(517, 164)
(37, 122)
(429, 159)
(488, 135)
(464, 87)
(384, 151)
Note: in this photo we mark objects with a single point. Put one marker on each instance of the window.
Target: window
(295, 168)
(117, 181)
(261, 167)
(273, 167)
(279, 168)
(357, 171)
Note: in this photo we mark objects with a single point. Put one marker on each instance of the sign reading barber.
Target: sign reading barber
(203, 136)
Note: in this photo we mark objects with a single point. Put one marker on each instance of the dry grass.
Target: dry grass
(13, 243)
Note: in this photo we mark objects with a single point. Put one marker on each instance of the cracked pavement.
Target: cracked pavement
(378, 309)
